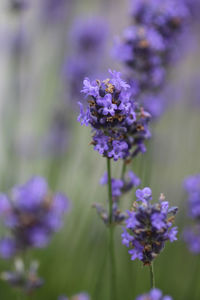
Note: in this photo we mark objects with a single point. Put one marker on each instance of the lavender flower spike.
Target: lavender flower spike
(120, 126)
(148, 227)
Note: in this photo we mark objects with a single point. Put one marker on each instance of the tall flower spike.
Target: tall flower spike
(119, 125)
(168, 16)
(148, 227)
(142, 49)
(32, 215)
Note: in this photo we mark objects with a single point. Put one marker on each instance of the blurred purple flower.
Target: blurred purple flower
(32, 214)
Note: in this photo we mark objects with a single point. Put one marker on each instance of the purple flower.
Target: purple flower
(172, 234)
(119, 150)
(117, 185)
(101, 143)
(150, 226)
(108, 106)
(30, 196)
(120, 186)
(32, 214)
(158, 221)
(136, 253)
(90, 88)
(126, 238)
(144, 195)
(131, 221)
(117, 82)
(154, 294)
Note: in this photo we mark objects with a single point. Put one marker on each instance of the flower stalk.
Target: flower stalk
(152, 276)
(111, 236)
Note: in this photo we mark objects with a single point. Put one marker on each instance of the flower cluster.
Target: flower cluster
(149, 226)
(192, 235)
(81, 296)
(169, 17)
(31, 214)
(154, 294)
(142, 49)
(149, 46)
(120, 186)
(120, 126)
(26, 280)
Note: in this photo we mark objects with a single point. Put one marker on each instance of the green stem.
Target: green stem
(113, 295)
(123, 170)
(152, 277)
(111, 237)
(109, 190)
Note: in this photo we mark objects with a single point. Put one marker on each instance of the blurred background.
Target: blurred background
(42, 67)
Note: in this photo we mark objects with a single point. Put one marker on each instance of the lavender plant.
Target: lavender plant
(148, 47)
(31, 215)
(148, 227)
(120, 128)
